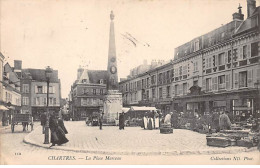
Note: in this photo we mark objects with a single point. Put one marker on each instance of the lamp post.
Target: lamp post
(48, 73)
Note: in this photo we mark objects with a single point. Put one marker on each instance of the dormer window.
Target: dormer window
(101, 81)
(84, 80)
(196, 45)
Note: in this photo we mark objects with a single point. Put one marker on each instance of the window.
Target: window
(176, 72)
(180, 70)
(195, 66)
(101, 81)
(51, 89)
(85, 91)
(243, 79)
(126, 87)
(168, 91)
(176, 89)
(153, 79)
(153, 92)
(26, 101)
(185, 88)
(196, 45)
(38, 102)
(208, 84)
(50, 101)
(94, 92)
(147, 94)
(221, 59)
(39, 89)
(160, 92)
(221, 82)
(254, 49)
(160, 77)
(25, 88)
(101, 91)
(229, 56)
(168, 75)
(185, 70)
(244, 52)
(235, 55)
(148, 82)
(195, 83)
(208, 62)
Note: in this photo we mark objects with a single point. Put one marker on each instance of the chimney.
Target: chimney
(251, 6)
(238, 16)
(18, 68)
(80, 71)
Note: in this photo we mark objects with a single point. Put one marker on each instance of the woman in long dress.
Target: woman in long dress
(156, 122)
(57, 134)
(150, 123)
(145, 122)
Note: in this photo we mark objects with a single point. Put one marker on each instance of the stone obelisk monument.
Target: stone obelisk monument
(113, 99)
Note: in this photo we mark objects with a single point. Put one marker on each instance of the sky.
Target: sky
(66, 34)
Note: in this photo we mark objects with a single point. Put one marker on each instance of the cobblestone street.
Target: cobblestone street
(15, 151)
(133, 140)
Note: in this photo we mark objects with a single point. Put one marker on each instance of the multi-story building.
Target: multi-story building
(34, 92)
(1, 76)
(152, 88)
(11, 89)
(87, 93)
(216, 71)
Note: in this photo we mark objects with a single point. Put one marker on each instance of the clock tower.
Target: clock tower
(112, 82)
(113, 98)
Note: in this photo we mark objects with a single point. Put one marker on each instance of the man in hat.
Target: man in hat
(122, 121)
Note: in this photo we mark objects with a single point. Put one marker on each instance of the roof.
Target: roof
(96, 75)
(39, 75)
(250, 23)
(142, 108)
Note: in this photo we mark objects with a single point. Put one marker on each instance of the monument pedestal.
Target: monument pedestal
(112, 106)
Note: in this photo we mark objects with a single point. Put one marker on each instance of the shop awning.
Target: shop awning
(143, 108)
(3, 108)
(125, 109)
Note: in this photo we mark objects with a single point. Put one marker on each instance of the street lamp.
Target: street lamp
(48, 73)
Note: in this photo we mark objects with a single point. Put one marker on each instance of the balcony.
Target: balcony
(221, 68)
(208, 71)
(254, 60)
(243, 63)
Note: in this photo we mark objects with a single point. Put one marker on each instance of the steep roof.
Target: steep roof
(39, 75)
(96, 75)
(251, 23)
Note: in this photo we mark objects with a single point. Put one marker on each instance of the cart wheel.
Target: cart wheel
(12, 128)
(31, 127)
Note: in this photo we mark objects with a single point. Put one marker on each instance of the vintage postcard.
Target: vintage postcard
(129, 82)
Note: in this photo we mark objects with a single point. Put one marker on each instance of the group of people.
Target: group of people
(151, 121)
(57, 127)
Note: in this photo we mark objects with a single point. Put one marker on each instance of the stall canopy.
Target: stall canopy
(3, 108)
(125, 109)
(143, 108)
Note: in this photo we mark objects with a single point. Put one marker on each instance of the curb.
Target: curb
(27, 140)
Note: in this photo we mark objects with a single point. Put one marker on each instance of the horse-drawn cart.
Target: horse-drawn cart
(23, 119)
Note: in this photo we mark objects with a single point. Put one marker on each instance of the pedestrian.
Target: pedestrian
(167, 119)
(145, 120)
(122, 121)
(61, 124)
(43, 121)
(174, 119)
(157, 122)
(224, 121)
(100, 119)
(57, 134)
(150, 123)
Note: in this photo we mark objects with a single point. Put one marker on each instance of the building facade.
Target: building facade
(214, 72)
(34, 92)
(87, 93)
